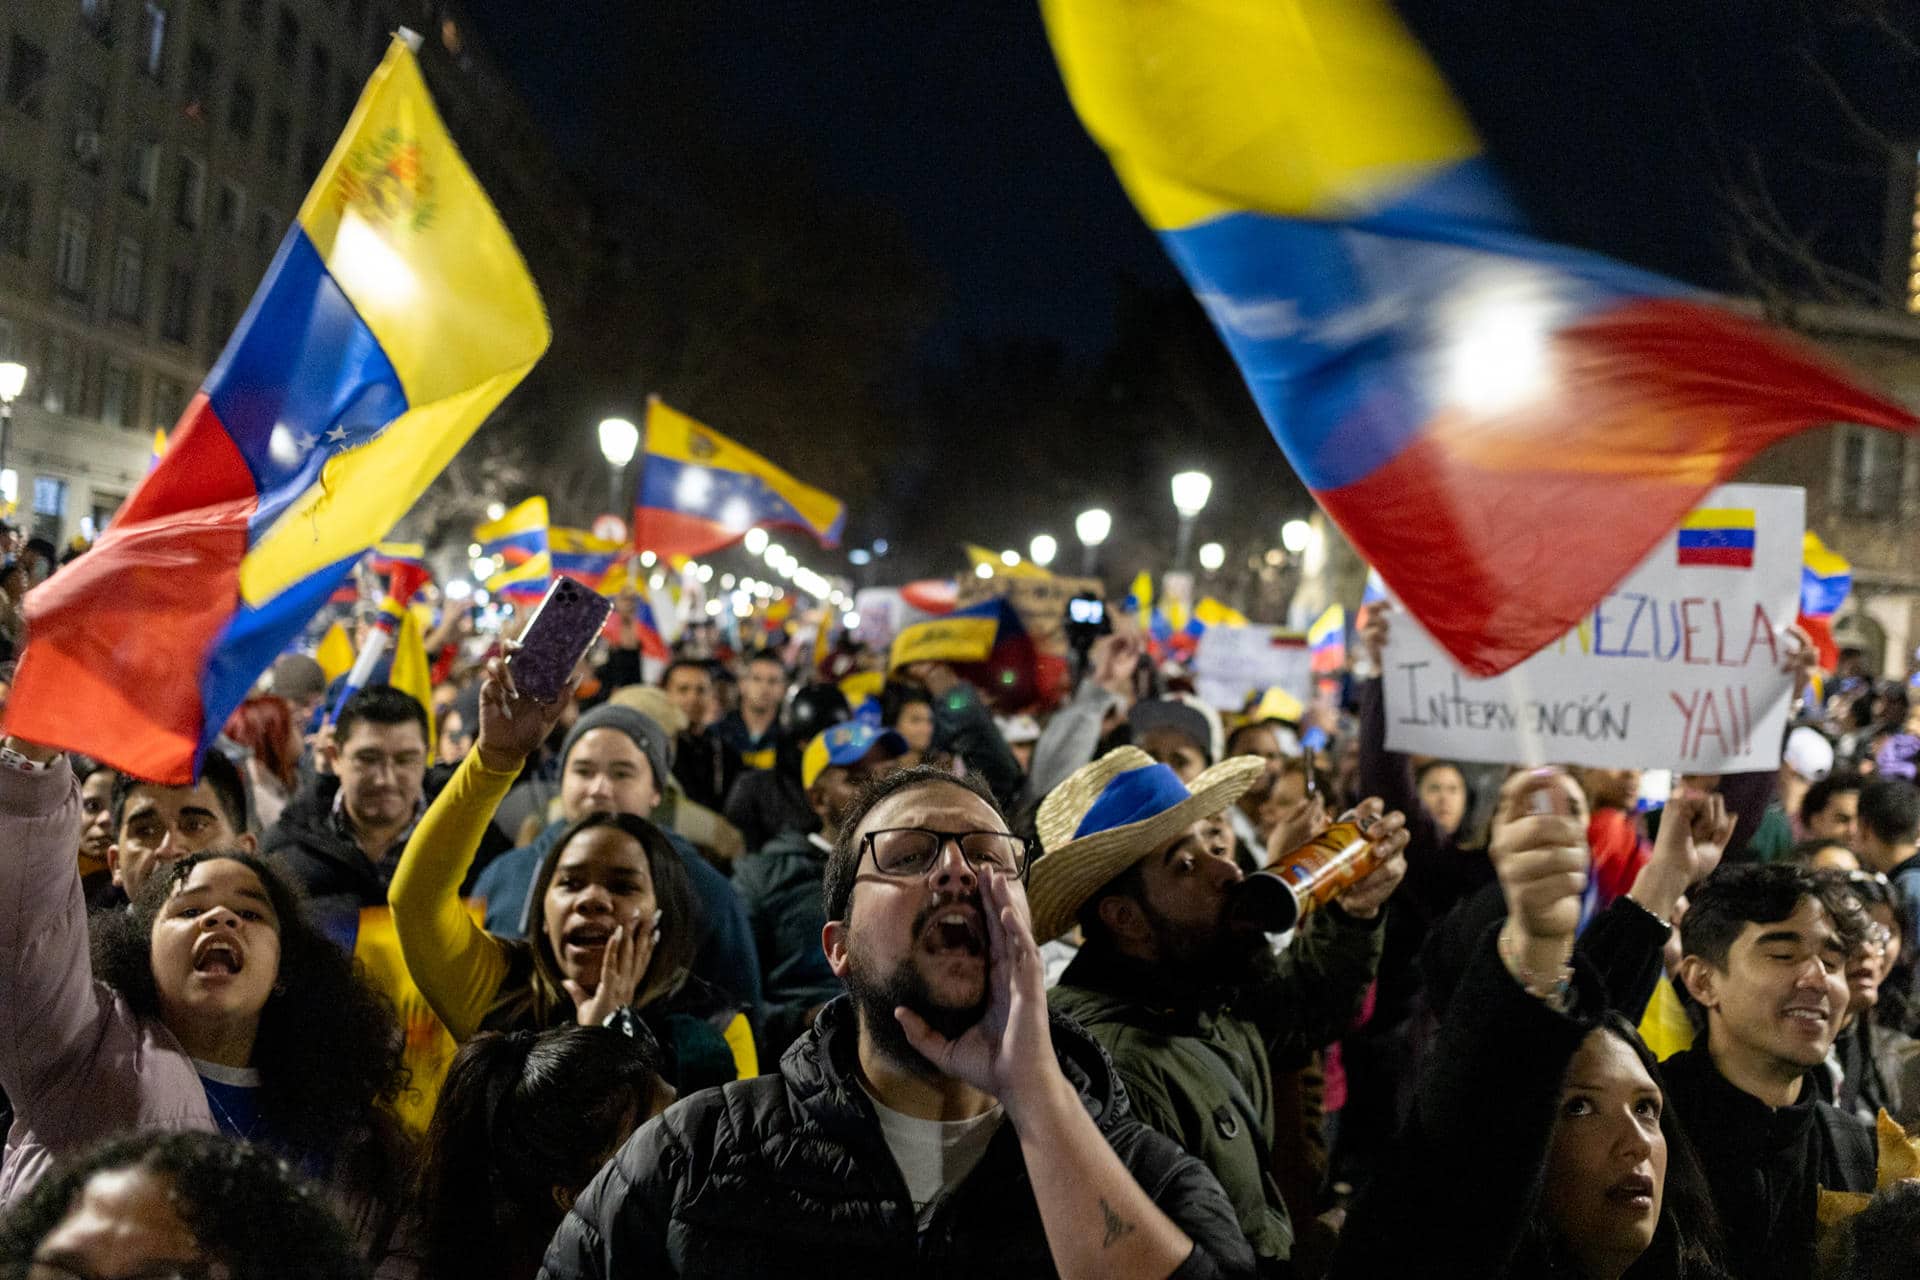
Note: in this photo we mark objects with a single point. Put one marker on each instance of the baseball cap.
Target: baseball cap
(845, 744)
(1809, 754)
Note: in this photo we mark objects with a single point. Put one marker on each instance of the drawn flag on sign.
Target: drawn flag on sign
(1716, 536)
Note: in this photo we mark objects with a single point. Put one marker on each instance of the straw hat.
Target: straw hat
(1112, 813)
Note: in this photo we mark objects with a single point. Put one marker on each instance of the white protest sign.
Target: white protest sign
(1233, 663)
(1679, 667)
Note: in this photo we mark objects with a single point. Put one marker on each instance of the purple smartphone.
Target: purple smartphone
(556, 638)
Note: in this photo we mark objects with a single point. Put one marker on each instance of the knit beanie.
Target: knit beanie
(644, 730)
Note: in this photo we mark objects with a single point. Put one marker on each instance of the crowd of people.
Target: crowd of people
(731, 968)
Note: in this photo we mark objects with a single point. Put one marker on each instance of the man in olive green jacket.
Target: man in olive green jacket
(1195, 1008)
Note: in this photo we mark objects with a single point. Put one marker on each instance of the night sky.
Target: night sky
(1658, 132)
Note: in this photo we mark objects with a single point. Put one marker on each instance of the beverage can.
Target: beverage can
(1306, 879)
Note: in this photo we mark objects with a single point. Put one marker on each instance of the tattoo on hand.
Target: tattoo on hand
(1117, 1226)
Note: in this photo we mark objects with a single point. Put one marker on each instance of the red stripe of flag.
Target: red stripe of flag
(1727, 557)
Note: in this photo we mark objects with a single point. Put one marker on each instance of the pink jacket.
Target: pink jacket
(77, 1063)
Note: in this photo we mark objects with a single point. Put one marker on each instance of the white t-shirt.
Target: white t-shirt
(934, 1156)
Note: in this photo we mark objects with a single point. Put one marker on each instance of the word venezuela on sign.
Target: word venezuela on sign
(1679, 666)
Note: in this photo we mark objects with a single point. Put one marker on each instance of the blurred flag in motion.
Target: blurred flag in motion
(599, 563)
(1502, 425)
(518, 540)
(395, 316)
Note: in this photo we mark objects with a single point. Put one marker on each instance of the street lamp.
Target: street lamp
(1092, 526)
(1212, 556)
(1191, 489)
(1043, 549)
(1295, 535)
(618, 440)
(13, 380)
(756, 541)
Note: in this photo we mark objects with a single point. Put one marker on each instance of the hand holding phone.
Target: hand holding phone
(558, 635)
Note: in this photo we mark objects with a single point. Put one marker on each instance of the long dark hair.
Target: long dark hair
(329, 1046)
(520, 1115)
(545, 1001)
(247, 1210)
(1687, 1242)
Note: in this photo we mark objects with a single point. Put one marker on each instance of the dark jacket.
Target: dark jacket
(962, 726)
(788, 1175)
(1459, 1199)
(706, 767)
(1200, 1069)
(1767, 1165)
(781, 887)
(338, 878)
(723, 956)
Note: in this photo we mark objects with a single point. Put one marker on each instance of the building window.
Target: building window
(1867, 474)
(27, 78)
(97, 17)
(118, 395)
(70, 258)
(286, 41)
(152, 49)
(230, 210)
(279, 138)
(143, 169)
(129, 280)
(220, 315)
(202, 70)
(240, 110)
(190, 197)
(49, 496)
(53, 377)
(88, 116)
(176, 321)
(319, 73)
(169, 402)
(16, 216)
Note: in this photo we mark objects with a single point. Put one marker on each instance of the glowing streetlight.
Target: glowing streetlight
(983, 570)
(1191, 489)
(618, 440)
(1091, 527)
(1212, 556)
(1043, 549)
(1295, 535)
(1010, 558)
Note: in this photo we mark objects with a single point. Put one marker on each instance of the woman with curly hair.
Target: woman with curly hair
(177, 1204)
(213, 1004)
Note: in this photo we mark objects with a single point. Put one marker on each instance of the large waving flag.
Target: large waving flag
(699, 491)
(1502, 425)
(520, 540)
(395, 316)
(599, 563)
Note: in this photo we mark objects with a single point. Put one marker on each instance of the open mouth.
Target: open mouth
(1810, 1017)
(1635, 1191)
(218, 956)
(587, 936)
(955, 930)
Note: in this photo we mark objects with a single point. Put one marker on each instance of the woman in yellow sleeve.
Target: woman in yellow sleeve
(611, 941)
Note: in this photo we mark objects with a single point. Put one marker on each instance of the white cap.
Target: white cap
(1808, 754)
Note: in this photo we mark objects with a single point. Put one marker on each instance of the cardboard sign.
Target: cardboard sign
(1679, 667)
(1040, 602)
(1233, 664)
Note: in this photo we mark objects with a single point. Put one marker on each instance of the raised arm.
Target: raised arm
(457, 965)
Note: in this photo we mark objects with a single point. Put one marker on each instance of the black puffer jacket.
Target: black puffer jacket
(788, 1175)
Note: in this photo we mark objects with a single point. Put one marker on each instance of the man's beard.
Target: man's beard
(877, 995)
(1219, 960)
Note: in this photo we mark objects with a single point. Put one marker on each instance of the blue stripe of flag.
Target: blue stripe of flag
(1705, 538)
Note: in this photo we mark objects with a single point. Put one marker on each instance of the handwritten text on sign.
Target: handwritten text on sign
(1678, 667)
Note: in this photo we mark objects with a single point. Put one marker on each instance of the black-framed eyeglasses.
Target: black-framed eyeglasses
(905, 852)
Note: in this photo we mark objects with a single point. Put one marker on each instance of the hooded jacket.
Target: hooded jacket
(789, 1175)
(338, 877)
(1200, 1068)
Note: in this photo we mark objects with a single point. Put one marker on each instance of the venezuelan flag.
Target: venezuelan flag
(1721, 536)
(699, 491)
(389, 558)
(1140, 595)
(595, 562)
(395, 628)
(520, 540)
(1825, 578)
(1212, 613)
(395, 316)
(1327, 641)
(1502, 425)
